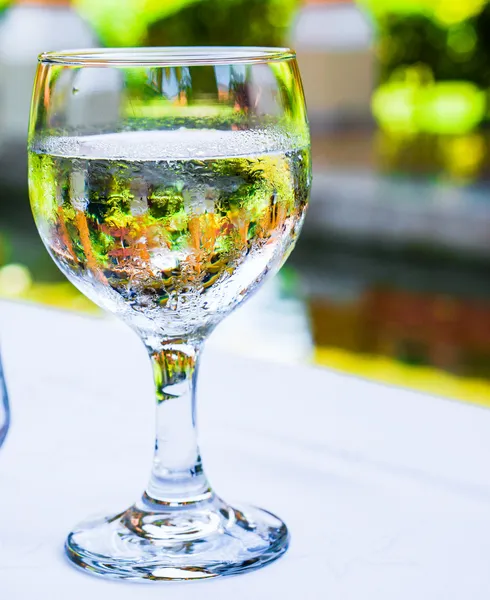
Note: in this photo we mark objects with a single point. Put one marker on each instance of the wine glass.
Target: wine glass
(166, 184)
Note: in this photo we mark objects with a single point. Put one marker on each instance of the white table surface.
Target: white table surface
(386, 492)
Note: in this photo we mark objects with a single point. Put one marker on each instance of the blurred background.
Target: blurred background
(389, 280)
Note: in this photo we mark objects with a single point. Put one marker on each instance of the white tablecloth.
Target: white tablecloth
(386, 492)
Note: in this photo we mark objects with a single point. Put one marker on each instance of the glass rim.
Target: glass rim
(166, 56)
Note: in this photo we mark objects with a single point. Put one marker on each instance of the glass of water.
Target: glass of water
(167, 184)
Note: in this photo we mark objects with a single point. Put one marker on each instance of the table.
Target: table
(386, 492)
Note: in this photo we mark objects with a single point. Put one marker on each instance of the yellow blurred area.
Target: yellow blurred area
(447, 12)
(59, 295)
(391, 372)
(16, 284)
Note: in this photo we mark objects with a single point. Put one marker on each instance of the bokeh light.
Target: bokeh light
(15, 280)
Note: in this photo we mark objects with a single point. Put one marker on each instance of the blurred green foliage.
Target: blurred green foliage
(225, 22)
(460, 51)
(434, 65)
(188, 22)
(125, 22)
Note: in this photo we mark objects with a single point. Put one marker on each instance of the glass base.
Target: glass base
(184, 543)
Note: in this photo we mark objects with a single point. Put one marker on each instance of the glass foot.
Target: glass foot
(178, 544)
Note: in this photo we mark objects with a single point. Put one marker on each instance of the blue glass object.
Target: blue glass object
(4, 406)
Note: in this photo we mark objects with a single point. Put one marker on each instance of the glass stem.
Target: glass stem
(177, 477)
